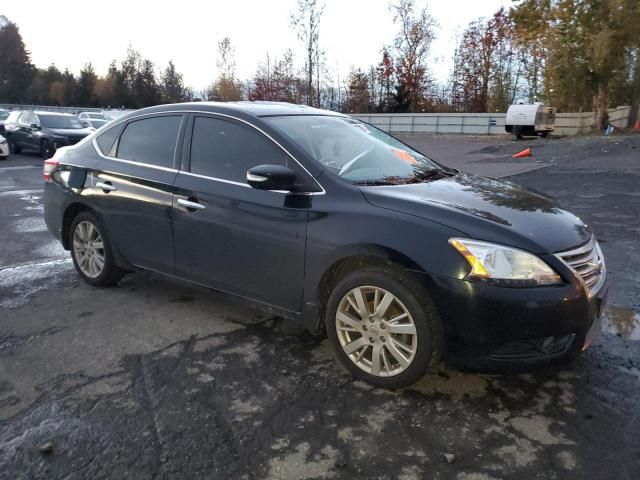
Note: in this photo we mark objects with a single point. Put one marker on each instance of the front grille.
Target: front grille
(587, 263)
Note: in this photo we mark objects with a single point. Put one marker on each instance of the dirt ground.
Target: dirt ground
(158, 379)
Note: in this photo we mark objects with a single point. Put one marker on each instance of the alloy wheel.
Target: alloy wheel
(376, 331)
(88, 249)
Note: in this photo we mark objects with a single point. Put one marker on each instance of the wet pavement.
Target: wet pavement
(157, 379)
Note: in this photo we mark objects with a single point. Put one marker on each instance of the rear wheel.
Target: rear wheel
(13, 148)
(91, 252)
(46, 149)
(384, 328)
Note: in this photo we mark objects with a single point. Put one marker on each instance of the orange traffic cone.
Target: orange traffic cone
(524, 153)
(637, 125)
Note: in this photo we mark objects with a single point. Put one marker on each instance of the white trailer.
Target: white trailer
(530, 120)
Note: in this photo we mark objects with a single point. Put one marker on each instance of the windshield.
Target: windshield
(97, 123)
(96, 116)
(60, 121)
(356, 151)
(3, 114)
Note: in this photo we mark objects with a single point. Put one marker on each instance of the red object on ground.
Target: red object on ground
(524, 153)
(637, 125)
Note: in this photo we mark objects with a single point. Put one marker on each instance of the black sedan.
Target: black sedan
(398, 259)
(43, 132)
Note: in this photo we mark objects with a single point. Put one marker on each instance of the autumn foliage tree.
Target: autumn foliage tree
(412, 45)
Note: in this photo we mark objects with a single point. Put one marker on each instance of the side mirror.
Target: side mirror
(271, 177)
(35, 126)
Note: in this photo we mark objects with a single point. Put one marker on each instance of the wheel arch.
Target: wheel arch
(349, 259)
(71, 212)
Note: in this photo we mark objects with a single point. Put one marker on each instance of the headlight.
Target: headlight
(504, 265)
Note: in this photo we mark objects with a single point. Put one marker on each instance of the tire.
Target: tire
(13, 148)
(409, 297)
(47, 150)
(84, 261)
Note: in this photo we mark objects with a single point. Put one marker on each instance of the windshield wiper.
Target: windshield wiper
(373, 183)
(420, 176)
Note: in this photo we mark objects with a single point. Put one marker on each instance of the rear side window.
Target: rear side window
(105, 139)
(226, 150)
(151, 140)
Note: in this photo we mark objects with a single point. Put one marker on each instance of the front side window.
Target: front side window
(3, 114)
(150, 140)
(14, 117)
(356, 151)
(26, 119)
(226, 150)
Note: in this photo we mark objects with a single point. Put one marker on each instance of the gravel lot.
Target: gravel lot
(157, 379)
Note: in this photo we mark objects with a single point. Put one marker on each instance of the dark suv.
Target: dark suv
(398, 259)
(43, 132)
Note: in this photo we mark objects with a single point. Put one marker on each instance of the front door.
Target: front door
(228, 235)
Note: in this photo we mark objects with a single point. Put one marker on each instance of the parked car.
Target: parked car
(113, 114)
(94, 124)
(92, 119)
(3, 118)
(530, 120)
(324, 218)
(4, 148)
(91, 116)
(43, 131)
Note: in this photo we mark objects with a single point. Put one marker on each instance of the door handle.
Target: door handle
(190, 205)
(106, 187)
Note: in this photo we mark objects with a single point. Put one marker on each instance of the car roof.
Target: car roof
(41, 112)
(258, 109)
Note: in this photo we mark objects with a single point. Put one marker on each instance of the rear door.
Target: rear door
(235, 238)
(133, 188)
(24, 133)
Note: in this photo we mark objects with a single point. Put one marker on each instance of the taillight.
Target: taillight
(49, 166)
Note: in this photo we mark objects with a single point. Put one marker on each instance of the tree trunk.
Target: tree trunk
(600, 109)
(635, 92)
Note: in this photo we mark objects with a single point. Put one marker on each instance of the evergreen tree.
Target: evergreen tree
(85, 95)
(172, 85)
(16, 70)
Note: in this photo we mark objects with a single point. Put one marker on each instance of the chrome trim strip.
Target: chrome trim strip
(132, 162)
(592, 248)
(256, 178)
(169, 112)
(206, 177)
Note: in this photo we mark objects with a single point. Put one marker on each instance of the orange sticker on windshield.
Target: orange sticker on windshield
(403, 155)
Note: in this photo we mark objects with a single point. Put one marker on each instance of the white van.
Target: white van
(530, 120)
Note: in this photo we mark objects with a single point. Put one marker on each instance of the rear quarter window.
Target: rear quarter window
(106, 139)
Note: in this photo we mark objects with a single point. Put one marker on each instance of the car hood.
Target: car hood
(487, 209)
(71, 132)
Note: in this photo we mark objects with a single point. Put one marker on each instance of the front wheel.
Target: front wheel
(383, 326)
(91, 252)
(47, 150)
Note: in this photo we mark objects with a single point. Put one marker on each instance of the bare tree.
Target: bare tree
(226, 87)
(412, 44)
(306, 20)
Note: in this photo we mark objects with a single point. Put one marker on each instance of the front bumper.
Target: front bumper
(495, 328)
(4, 149)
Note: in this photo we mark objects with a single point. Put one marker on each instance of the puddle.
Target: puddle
(623, 322)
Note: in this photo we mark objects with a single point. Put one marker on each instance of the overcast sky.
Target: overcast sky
(71, 33)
